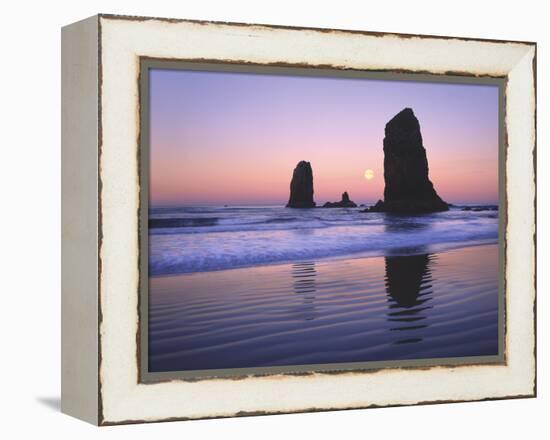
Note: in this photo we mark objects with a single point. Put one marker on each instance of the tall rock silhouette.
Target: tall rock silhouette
(301, 187)
(408, 188)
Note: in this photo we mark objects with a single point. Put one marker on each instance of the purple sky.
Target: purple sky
(231, 138)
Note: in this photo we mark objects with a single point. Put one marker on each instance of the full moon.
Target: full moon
(369, 174)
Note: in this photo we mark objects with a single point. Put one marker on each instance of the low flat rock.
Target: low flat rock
(344, 203)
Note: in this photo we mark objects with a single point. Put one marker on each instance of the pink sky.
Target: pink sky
(226, 138)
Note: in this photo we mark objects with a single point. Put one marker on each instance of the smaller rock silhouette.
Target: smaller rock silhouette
(301, 187)
(344, 203)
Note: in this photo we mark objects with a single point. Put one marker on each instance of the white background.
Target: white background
(30, 217)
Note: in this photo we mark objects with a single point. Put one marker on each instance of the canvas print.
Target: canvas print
(301, 221)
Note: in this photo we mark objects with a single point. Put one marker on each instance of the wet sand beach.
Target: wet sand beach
(421, 306)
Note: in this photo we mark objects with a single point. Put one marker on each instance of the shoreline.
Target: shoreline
(418, 250)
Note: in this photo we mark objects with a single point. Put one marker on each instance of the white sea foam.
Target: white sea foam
(184, 240)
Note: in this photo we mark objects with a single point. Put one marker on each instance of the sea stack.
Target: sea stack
(408, 188)
(344, 203)
(301, 187)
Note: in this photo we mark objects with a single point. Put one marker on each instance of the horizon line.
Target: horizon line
(198, 204)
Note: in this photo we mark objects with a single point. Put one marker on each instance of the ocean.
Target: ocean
(249, 286)
(197, 239)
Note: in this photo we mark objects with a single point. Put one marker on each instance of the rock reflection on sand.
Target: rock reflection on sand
(303, 275)
(421, 306)
(409, 288)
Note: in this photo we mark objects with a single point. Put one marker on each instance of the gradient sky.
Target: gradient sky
(235, 138)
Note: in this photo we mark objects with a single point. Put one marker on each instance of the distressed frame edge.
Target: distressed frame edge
(535, 206)
(532, 115)
(104, 422)
(124, 17)
(80, 121)
(313, 410)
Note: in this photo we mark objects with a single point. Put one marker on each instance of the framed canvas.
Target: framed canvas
(264, 219)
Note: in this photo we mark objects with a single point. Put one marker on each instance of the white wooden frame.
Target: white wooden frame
(101, 194)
